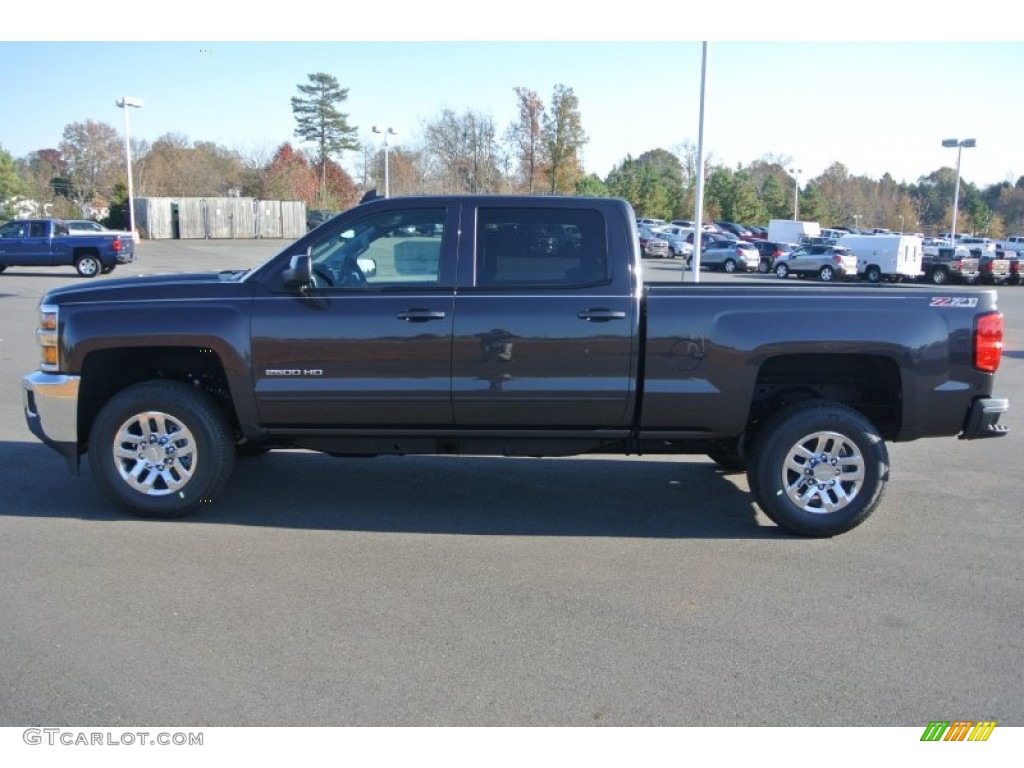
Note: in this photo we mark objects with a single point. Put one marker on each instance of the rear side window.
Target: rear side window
(538, 247)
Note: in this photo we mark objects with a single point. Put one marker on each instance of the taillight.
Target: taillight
(988, 341)
(117, 244)
(837, 259)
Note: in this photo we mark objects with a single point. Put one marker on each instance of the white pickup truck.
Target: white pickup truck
(1012, 243)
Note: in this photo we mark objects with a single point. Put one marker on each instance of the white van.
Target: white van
(892, 257)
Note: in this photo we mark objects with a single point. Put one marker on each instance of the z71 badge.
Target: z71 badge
(955, 301)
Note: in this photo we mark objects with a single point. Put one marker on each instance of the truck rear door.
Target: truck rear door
(546, 322)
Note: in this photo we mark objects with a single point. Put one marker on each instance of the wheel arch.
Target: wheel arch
(870, 384)
(105, 372)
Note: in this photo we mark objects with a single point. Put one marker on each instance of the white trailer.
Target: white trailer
(789, 231)
(889, 257)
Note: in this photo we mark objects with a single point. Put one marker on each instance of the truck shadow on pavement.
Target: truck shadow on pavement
(653, 497)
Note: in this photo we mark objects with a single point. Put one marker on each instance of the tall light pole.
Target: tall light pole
(856, 221)
(387, 181)
(796, 192)
(124, 102)
(959, 144)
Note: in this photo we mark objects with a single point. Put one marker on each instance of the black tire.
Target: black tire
(185, 460)
(938, 276)
(844, 461)
(108, 270)
(782, 271)
(2, 268)
(873, 274)
(826, 274)
(729, 266)
(88, 265)
(764, 267)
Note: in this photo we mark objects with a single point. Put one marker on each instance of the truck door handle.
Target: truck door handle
(420, 315)
(600, 315)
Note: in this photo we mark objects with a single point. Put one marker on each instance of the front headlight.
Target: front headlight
(46, 335)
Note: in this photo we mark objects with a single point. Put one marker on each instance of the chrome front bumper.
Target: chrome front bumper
(51, 410)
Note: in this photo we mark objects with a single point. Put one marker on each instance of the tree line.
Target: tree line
(538, 152)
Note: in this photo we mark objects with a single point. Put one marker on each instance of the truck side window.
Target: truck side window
(13, 229)
(392, 249)
(540, 247)
(37, 229)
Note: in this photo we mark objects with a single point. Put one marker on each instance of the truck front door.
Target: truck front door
(26, 244)
(369, 345)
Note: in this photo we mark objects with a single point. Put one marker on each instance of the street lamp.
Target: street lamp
(856, 221)
(796, 192)
(386, 132)
(959, 144)
(124, 102)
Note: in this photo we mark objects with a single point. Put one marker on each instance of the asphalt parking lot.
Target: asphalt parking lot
(475, 591)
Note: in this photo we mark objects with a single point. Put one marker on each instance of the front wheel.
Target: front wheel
(161, 448)
(88, 265)
(819, 468)
(782, 271)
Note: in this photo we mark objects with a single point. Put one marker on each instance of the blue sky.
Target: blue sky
(877, 107)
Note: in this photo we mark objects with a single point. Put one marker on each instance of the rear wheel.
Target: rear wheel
(873, 274)
(818, 468)
(88, 265)
(161, 448)
(827, 274)
(729, 266)
(938, 276)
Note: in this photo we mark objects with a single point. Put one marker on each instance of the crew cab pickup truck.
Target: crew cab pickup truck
(471, 341)
(941, 265)
(48, 243)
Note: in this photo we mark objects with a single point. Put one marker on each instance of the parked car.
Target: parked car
(759, 233)
(732, 227)
(770, 252)
(676, 238)
(651, 223)
(944, 264)
(730, 256)
(827, 262)
(978, 244)
(90, 227)
(653, 246)
(708, 238)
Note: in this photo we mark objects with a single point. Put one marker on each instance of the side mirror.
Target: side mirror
(299, 274)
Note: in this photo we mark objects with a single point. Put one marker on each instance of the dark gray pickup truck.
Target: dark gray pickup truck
(516, 326)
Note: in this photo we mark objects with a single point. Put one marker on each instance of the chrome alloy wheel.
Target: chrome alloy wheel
(154, 453)
(823, 472)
